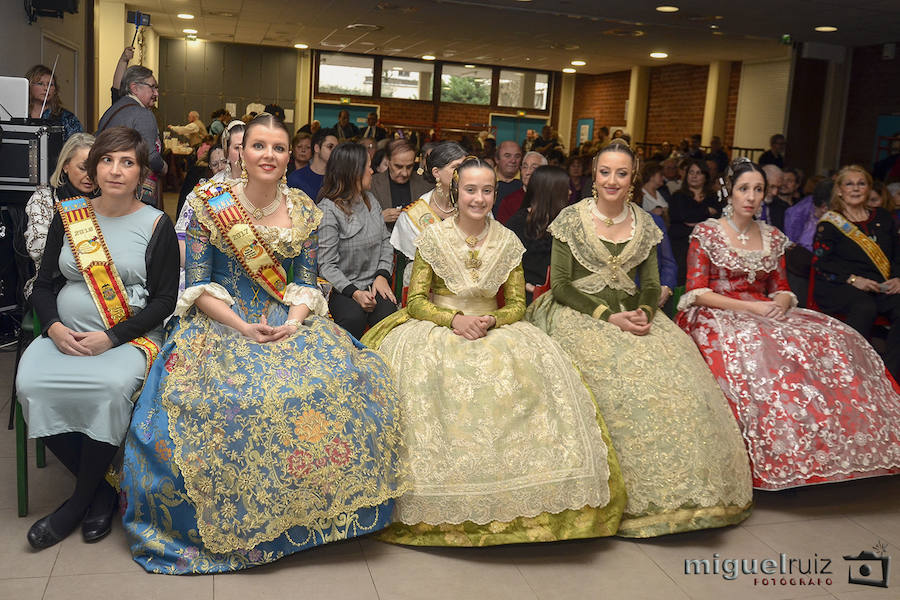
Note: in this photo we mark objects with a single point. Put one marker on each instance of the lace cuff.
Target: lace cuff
(302, 294)
(793, 296)
(688, 299)
(191, 294)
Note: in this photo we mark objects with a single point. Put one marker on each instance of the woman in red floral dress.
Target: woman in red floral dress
(812, 397)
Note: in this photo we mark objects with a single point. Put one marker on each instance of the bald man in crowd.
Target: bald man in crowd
(509, 159)
(194, 131)
(513, 201)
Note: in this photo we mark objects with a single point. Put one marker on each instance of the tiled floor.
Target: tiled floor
(822, 522)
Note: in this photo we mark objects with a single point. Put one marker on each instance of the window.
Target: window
(466, 85)
(411, 80)
(523, 89)
(346, 74)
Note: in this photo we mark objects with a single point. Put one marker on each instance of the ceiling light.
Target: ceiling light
(192, 37)
(578, 63)
(826, 28)
(568, 70)
(428, 57)
(185, 16)
(191, 31)
(301, 46)
(713, 26)
(469, 66)
(659, 55)
(667, 9)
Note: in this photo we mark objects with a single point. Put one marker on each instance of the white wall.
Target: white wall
(762, 102)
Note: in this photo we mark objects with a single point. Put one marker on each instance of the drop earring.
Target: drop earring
(244, 176)
(594, 191)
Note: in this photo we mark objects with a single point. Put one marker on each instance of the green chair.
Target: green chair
(30, 325)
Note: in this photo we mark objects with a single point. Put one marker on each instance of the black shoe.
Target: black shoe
(43, 535)
(98, 522)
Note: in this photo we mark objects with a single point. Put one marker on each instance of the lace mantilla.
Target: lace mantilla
(575, 226)
(442, 248)
(714, 242)
(288, 243)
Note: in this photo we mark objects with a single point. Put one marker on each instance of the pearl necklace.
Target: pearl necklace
(742, 235)
(260, 213)
(609, 221)
(438, 206)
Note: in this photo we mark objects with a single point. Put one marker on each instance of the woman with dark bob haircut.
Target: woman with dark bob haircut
(108, 279)
(356, 255)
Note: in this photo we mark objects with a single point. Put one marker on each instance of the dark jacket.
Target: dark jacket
(381, 188)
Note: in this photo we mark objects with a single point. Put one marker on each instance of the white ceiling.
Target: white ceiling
(543, 34)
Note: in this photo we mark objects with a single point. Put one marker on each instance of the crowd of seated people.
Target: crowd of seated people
(260, 416)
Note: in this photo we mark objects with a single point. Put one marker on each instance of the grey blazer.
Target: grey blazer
(135, 115)
(355, 248)
(381, 187)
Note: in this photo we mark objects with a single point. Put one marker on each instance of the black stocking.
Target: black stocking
(67, 448)
(95, 459)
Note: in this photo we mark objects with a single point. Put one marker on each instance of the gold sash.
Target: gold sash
(93, 260)
(872, 250)
(248, 248)
(468, 305)
(420, 214)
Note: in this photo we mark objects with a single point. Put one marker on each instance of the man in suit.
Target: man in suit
(400, 184)
(344, 130)
(372, 129)
(138, 94)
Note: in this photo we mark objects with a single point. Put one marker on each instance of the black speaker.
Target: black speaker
(70, 6)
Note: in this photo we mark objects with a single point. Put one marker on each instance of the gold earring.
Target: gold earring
(284, 178)
(594, 191)
(631, 192)
(438, 190)
(244, 176)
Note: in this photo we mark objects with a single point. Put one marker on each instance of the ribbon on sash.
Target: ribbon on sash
(248, 248)
(872, 250)
(93, 260)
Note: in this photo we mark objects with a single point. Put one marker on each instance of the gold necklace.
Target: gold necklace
(259, 213)
(472, 240)
(609, 221)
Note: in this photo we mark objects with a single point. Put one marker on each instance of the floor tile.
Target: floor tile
(451, 573)
(830, 538)
(109, 555)
(671, 554)
(23, 589)
(17, 558)
(870, 593)
(335, 576)
(594, 569)
(129, 586)
(47, 487)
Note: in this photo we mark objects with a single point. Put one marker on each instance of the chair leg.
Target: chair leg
(40, 455)
(21, 461)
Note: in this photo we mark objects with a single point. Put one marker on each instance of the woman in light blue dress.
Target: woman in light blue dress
(264, 428)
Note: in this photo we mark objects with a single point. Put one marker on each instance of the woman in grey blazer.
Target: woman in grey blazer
(355, 252)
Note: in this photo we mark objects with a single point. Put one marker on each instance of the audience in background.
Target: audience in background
(44, 102)
(718, 154)
(301, 151)
(579, 183)
(694, 203)
(309, 178)
(516, 200)
(373, 129)
(509, 159)
(775, 154)
(774, 207)
(654, 200)
(194, 130)
(345, 130)
(400, 184)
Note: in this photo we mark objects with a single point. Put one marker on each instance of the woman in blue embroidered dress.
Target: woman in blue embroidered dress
(264, 428)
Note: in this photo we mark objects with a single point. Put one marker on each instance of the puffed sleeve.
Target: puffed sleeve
(562, 264)
(198, 269)
(697, 283)
(303, 290)
(418, 304)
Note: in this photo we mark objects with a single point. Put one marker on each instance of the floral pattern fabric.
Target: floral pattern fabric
(240, 453)
(809, 393)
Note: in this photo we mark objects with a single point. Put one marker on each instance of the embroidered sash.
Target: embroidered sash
(246, 245)
(872, 250)
(93, 260)
(420, 214)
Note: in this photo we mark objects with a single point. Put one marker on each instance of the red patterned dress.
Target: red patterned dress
(811, 396)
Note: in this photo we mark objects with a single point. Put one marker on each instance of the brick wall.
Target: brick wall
(874, 90)
(676, 103)
(734, 84)
(600, 97)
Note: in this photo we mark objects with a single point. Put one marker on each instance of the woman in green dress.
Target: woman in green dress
(682, 457)
(503, 436)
